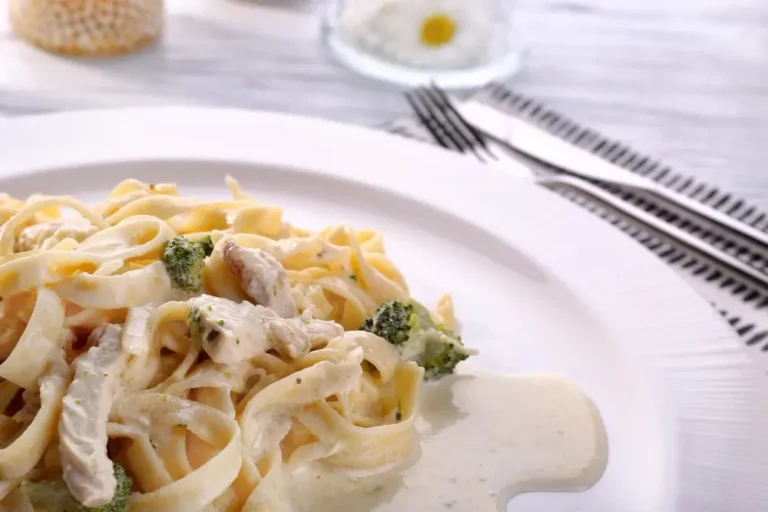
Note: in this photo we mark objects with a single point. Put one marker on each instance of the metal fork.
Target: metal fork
(451, 131)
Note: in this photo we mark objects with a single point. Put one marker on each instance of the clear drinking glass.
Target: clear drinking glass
(452, 43)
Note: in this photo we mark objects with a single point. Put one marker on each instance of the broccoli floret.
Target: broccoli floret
(184, 261)
(367, 325)
(206, 244)
(391, 322)
(418, 337)
(195, 322)
(54, 495)
(421, 319)
(122, 492)
(50, 495)
(440, 359)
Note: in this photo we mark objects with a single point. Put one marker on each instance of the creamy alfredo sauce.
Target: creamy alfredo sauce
(485, 439)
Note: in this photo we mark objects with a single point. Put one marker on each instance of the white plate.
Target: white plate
(539, 284)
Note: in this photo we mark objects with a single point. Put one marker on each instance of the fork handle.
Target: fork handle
(710, 216)
(655, 224)
(579, 167)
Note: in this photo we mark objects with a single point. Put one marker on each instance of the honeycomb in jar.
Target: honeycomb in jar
(87, 27)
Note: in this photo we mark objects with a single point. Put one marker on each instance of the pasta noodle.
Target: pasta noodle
(94, 325)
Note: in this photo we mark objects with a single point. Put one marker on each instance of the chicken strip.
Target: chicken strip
(294, 337)
(263, 277)
(87, 469)
(230, 332)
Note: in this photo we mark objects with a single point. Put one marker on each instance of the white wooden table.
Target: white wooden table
(685, 80)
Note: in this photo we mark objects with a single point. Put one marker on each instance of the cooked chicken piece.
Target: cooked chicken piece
(320, 330)
(229, 332)
(232, 332)
(263, 278)
(294, 337)
(47, 234)
(87, 469)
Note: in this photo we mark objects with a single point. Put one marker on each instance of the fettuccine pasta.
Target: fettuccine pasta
(192, 354)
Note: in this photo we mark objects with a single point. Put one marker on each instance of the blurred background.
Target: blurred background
(684, 80)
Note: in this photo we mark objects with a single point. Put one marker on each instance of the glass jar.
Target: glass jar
(452, 43)
(87, 27)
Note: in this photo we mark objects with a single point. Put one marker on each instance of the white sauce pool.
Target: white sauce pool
(485, 439)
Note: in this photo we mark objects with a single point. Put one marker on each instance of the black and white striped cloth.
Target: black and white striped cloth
(743, 304)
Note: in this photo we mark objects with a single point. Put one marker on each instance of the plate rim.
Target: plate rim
(660, 298)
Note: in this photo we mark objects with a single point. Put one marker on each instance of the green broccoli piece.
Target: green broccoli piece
(195, 322)
(184, 261)
(391, 322)
(123, 491)
(50, 495)
(421, 319)
(440, 359)
(54, 496)
(418, 337)
(206, 244)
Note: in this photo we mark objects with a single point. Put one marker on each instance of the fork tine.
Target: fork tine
(426, 118)
(456, 125)
(443, 123)
(428, 114)
(420, 114)
(454, 128)
(476, 137)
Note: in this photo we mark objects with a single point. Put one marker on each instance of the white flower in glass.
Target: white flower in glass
(423, 33)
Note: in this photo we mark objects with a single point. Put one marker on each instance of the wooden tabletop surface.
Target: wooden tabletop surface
(684, 80)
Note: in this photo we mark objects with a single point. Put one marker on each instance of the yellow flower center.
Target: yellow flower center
(437, 30)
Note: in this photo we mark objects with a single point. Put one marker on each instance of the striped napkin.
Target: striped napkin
(743, 304)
